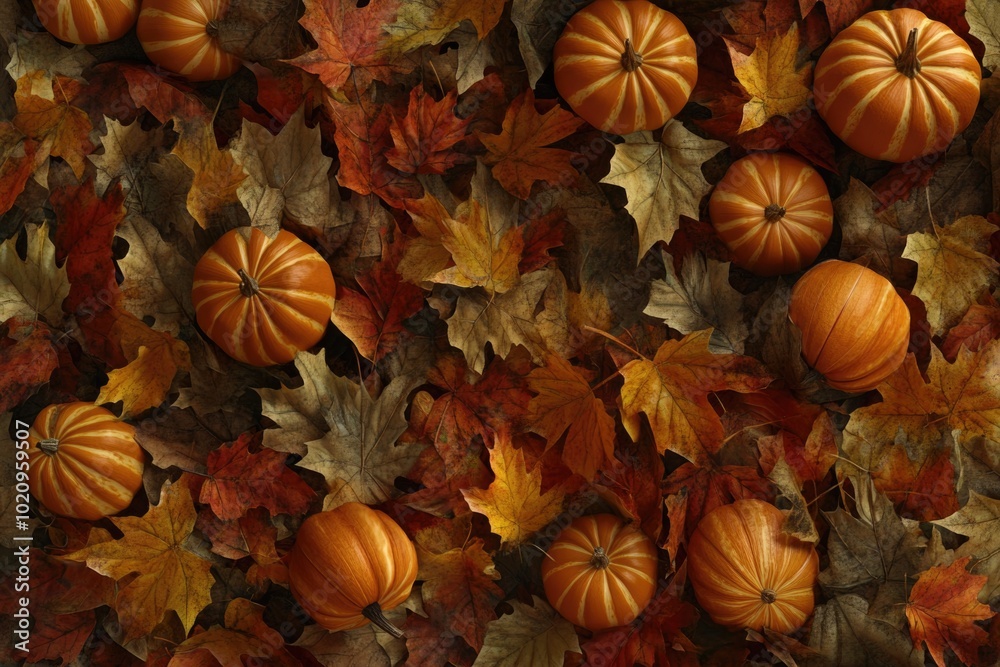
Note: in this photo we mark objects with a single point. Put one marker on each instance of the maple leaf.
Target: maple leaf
(252, 535)
(693, 491)
(984, 24)
(245, 635)
(953, 268)
(59, 128)
(518, 154)
(429, 22)
(565, 404)
(170, 575)
(483, 256)
(942, 611)
(422, 138)
(17, 162)
(514, 502)
(662, 179)
(777, 87)
(979, 325)
(532, 635)
(672, 391)
(868, 236)
(35, 286)
(844, 633)
(144, 382)
(217, 175)
(239, 479)
(979, 520)
(28, 359)
(537, 30)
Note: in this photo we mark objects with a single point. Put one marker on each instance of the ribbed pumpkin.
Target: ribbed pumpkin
(855, 328)
(600, 572)
(746, 573)
(84, 461)
(179, 36)
(350, 564)
(895, 85)
(262, 300)
(625, 65)
(773, 212)
(87, 21)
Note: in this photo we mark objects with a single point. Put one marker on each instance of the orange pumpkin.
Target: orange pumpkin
(87, 21)
(84, 461)
(855, 328)
(625, 65)
(600, 572)
(746, 573)
(262, 300)
(350, 564)
(179, 36)
(773, 212)
(895, 85)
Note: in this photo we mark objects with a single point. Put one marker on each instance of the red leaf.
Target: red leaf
(712, 486)
(541, 235)
(979, 326)
(422, 137)
(162, 97)
(27, 360)
(17, 162)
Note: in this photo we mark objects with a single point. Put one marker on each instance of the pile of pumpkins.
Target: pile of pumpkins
(895, 86)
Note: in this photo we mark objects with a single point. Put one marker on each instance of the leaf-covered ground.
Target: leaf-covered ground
(534, 321)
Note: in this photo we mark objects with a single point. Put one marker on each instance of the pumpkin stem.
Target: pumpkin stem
(212, 29)
(774, 212)
(768, 596)
(600, 558)
(907, 62)
(248, 285)
(630, 59)
(373, 613)
(49, 445)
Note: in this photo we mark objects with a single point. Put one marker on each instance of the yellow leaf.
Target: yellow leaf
(484, 256)
(35, 286)
(145, 381)
(777, 87)
(428, 22)
(514, 502)
(217, 176)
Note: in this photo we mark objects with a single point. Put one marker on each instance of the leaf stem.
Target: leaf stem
(613, 340)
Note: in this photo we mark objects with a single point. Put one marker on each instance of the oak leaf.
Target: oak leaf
(239, 479)
(422, 139)
(519, 155)
(514, 502)
(942, 611)
(672, 391)
(953, 268)
(35, 286)
(984, 24)
(245, 635)
(170, 575)
(533, 635)
(662, 179)
(771, 76)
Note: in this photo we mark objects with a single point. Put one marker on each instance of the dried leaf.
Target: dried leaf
(984, 23)
(533, 635)
(771, 75)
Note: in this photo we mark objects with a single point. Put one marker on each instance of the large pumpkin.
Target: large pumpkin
(895, 85)
(87, 21)
(262, 300)
(625, 65)
(773, 212)
(600, 572)
(84, 461)
(746, 573)
(350, 564)
(855, 328)
(180, 36)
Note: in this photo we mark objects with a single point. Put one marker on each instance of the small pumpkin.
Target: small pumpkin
(625, 65)
(746, 573)
(349, 565)
(773, 212)
(84, 461)
(855, 328)
(262, 300)
(600, 572)
(180, 36)
(87, 21)
(895, 85)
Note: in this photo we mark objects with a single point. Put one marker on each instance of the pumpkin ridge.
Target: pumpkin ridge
(98, 480)
(740, 577)
(843, 306)
(81, 497)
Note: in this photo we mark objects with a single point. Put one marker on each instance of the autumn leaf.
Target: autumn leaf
(170, 575)
(868, 236)
(35, 286)
(17, 162)
(59, 128)
(845, 633)
(143, 383)
(514, 502)
(429, 22)
(772, 78)
(942, 611)
(953, 268)
(979, 325)
(662, 179)
(979, 520)
(533, 635)
(672, 391)
(984, 24)
(245, 635)
(239, 479)
(422, 139)
(217, 175)
(484, 256)
(518, 154)
(565, 404)
(252, 535)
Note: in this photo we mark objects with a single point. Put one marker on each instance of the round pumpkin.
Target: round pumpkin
(180, 36)
(855, 328)
(350, 564)
(87, 21)
(746, 573)
(600, 572)
(84, 461)
(625, 65)
(773, 212)
(895, 85)
(262, 300)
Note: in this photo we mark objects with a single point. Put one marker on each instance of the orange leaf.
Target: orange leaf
(942, 611)
(217, 176)
(422, 138)
(17, 161)
(245, 634)
(518, 155)
(60, 128)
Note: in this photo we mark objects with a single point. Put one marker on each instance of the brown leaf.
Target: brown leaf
(59, 128)
(422, 139)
